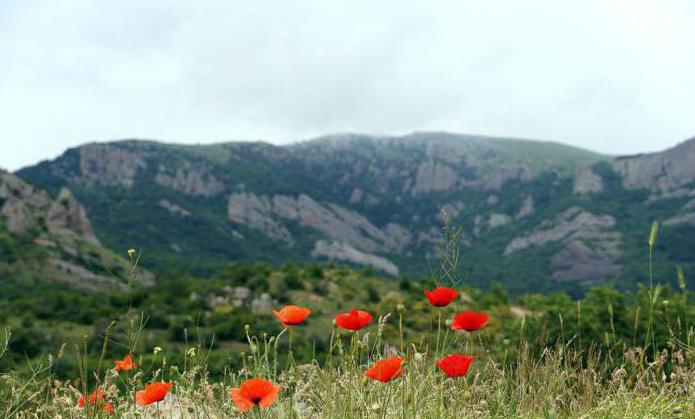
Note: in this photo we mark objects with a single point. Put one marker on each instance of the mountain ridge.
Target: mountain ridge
(374, 201)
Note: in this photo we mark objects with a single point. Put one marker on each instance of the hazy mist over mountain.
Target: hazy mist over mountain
(614, 77)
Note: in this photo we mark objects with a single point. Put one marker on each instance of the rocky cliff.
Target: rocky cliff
(376, 201)
(48, 238)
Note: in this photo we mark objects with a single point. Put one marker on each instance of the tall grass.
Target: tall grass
(562, 379)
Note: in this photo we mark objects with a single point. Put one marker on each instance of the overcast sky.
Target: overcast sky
(609, 75)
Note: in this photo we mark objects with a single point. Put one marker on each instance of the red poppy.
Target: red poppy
(255, 391)
(386, 369)
(152, 393)
(455, 365)
(441, 297)
(354, 320)
(470, 321)
(291, 315)
(126, 364)
(94, 399)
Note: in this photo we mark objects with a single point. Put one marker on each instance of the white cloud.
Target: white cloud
(614, 76)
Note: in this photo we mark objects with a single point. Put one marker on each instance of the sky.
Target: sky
(614, 76)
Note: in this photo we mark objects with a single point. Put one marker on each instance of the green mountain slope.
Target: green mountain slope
(46, 239)
(535, 216)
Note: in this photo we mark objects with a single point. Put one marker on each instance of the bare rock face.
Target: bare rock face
(356, 196)
(434, 176)
(344, 252)
(109, 165)
(173, 208)
(268, 215)
(586, 182)
(19, 203)
(18, 216)
(256, 213)
(590, 250)
(579, 262)
(662, 173)
(189, 180)
(573, 222)
(495, 179)
(497, 220)
(61, 228)
(688, 218)
(65, 214)
(527, 207)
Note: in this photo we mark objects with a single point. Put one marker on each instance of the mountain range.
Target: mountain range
(534, 216)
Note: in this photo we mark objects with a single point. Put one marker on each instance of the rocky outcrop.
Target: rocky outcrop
(578, 262)
(663, 173)
(496, 178)
(66, 215)
(344, 252)
(586, 182)
(256, 213)
(189, 179)
(173, 208)
(590, 249)
(572, 223)
(688, 218)
(527, 207)
(109, 165)
(59, 231)
(19, 203)
(268, 214)
(434, 176)
(497, 220)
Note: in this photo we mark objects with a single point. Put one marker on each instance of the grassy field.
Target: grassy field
(607, 355)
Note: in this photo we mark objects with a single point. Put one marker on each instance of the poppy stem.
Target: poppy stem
(291, 355)
(439, 330)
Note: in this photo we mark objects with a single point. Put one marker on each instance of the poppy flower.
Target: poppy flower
(386, 370)
(94, 399)
(291, 315)
(255, 391)
(152, 393)
(455, 365)
(469, 321)
(126, 364)
(441, 297)
(354, 320)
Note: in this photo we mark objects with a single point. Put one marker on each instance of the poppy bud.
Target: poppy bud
(400, 308)
(334, 323)
(131, 252)
(505, 342)
(417, 357)
(247, 327)
(448, 322)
